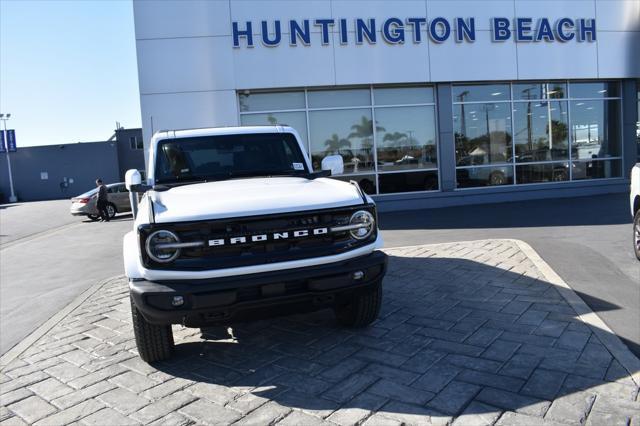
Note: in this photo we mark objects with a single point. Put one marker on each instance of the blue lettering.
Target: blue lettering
(501, 31)
(417, 28)
(265, 34)
(324, 25)
(544, 30)
(523, 29)
(344, 34)
(433, 30)
(362, 30)
(560, 26)
(465, 30)
(303, 32)
(393, 31)
(237, 33)
(587, 27)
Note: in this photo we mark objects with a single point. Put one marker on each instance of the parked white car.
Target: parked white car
(634, 201)
(235, 225)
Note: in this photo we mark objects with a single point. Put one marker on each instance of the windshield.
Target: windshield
(208, 158)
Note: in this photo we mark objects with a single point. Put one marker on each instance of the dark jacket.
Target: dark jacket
(102, 193)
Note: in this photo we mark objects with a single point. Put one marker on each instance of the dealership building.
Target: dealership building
(429, 102)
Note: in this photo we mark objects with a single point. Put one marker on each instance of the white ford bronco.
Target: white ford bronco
(234, 224)
(634, 201)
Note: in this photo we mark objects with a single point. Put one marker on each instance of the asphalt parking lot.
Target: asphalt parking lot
(48, 258)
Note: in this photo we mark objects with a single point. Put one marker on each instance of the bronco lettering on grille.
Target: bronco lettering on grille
(266, 237)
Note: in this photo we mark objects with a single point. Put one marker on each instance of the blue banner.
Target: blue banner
(2, 146)
(11, 140)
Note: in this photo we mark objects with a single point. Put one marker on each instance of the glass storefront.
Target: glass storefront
(504, 133)
(385, 135)
(536, 132)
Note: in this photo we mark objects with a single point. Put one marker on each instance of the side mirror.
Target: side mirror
(131, 178)
(334, 164)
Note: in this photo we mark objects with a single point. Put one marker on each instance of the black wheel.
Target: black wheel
(636, 234)
(363, 308)
(111, 210)
(93, 217)
(154, 342)
(497, 178)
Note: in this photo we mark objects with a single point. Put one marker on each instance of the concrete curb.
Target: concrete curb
(612, 342)
(18, 349)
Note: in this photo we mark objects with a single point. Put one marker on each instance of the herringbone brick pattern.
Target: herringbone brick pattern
(469, 334)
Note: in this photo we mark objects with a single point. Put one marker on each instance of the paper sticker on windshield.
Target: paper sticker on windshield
(298, 166)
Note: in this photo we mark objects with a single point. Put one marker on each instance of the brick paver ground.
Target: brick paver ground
(469, 334)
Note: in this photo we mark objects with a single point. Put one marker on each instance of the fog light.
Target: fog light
(358, 275)
(177, 301)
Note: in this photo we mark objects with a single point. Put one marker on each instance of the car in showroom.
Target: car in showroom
(235, 225)
(86, 204)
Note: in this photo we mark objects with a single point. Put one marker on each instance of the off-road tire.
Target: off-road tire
(363, 308)
(154, 342)
(636, 234)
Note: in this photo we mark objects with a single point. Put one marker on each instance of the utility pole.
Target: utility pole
(12, 198)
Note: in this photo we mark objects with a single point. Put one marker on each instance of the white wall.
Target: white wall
(189, 70)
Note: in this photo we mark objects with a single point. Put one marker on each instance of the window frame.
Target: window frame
(372, 107)
(570, 160)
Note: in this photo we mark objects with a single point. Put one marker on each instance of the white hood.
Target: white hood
(251, 197)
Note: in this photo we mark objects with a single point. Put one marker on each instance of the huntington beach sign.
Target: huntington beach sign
(409, 30)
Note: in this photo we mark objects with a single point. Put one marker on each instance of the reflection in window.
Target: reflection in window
(470, 177)
(531, 124)
(595, 129)
(408, 182)
(348, 133)
(595, 89)
(481, 92)
(403, 95)
(597, 169)
(406, 138)
(339, 98)
(296, 120)
(538, 173)
(271, 101)
(482, 133)
(527, 91)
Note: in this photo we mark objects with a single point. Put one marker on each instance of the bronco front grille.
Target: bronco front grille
(229, 243)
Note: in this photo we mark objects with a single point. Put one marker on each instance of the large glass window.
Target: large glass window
(385, 135)
(536, 132)
(348, 133)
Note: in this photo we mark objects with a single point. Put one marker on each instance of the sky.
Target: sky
(68, 69)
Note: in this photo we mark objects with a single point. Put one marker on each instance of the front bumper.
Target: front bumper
(232, 299)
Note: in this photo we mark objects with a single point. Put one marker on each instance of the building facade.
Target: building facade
(429, 102)
(63, 171)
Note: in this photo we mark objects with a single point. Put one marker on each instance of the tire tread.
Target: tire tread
(154, 342)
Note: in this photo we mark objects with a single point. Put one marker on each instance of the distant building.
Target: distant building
(63, 171)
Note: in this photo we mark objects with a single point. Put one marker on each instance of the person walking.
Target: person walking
(103, 200)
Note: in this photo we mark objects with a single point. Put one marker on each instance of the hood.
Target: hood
(251, 197)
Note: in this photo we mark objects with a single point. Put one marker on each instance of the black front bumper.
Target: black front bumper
(232, 299)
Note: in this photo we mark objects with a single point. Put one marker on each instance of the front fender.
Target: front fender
(131, 256)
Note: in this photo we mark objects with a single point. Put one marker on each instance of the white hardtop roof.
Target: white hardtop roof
(218, 131)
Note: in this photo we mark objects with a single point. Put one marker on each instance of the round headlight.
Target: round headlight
(363, 224)
(159, 248)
